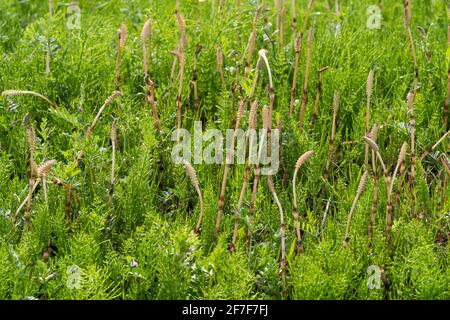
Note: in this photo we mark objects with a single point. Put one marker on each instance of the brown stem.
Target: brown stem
(298, 47)
(319, 92)
(230, 153)
(305, 84)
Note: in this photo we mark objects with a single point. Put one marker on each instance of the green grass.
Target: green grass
(143, 246)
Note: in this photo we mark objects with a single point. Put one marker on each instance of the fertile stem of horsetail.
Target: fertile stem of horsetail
(113, 165)
(230, 154)
(91, 128)
(298, 47)
(42, 173)
(251, 135)
(369, 96)
(294, 17)
(401, 159)
(333, 130)
(257, 175)
(305, 84)
(447, 98)
(181, 58)
(445, 162)
(220, 65)
(122, 34)
(407, 22)
(376, 182)
(263, 54)
(362, 184)
(282, 164)
(25, 92)
(108, 101)
(251, 44)
(149, 84)
(374, 147)
(282, 230)
(319, 92)
(32, 184)
(303, 158)
(412, 122)
(193, 176)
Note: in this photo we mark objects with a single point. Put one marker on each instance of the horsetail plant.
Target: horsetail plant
(369, 96)
(26, 92)
(149, 84)
(282, 230)
(407, 23)
(33, 174)
(319, 92)
(251, 44)
(412, 157)
(305, 84)
(359, 191)
(91, 128)
(122, 34)
(251, 135)
(333, 131)
(220, 65)
(194, 180)
(298, 47)
(375, 148)
(401, 159)
(181, 59)
(42, 173)
(113, 162)
(230, 153)
(376, 182)
(257, 175)
(303, 158)
(107, 102)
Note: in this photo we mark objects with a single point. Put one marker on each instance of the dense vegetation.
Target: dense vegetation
(88, 233)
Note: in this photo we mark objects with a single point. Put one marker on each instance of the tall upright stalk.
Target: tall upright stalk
(369, 96)
(333, 130)
(298, 47)
(149, 84)
(122, 34)
(252, 127)
(412, 122)
(361, 185)
(282, 231)
(319, 92)
(305, 84)
(303, 158)
(230, 153)
(257, 175)
(113, 162)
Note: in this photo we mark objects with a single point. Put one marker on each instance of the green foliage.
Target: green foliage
(141, 245)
